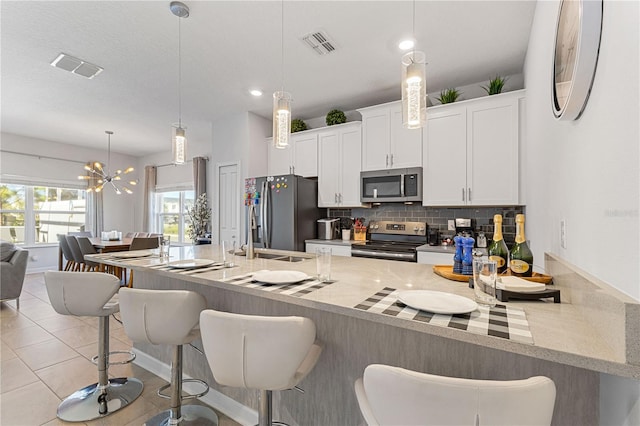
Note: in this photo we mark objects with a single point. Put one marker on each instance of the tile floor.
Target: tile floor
(45, 357)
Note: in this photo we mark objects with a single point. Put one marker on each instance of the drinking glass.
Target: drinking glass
(323, 264)
(165, 244)
(229, 253)
(484, 281)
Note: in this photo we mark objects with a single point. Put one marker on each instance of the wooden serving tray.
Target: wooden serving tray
(446, 271)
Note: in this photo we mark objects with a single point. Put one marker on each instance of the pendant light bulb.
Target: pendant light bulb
(414, 90)
(281, 119)
(179, 144)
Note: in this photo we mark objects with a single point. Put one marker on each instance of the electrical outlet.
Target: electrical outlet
(451, 226)
(563, 234)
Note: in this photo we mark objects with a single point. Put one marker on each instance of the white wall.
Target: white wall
(120, 211)
(587, 171)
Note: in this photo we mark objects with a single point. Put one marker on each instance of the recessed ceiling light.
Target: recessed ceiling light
(256, 92)
(406, 44)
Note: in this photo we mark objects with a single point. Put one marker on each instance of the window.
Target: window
(36, 214)
(172, 216)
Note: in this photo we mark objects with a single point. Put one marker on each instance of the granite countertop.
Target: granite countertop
(560, 332)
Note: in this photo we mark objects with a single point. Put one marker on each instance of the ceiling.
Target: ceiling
(229, 47)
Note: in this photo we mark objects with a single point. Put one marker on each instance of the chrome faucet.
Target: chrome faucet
(252, 225)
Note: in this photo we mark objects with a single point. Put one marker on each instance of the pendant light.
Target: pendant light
(281, 102)
(414, 87)
(179, 139)
(97, 171)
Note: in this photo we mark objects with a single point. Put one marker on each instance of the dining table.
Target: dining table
(101, 246)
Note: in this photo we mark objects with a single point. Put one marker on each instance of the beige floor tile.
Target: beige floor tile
(43, 310)
(69, 376)
(6, 352)
(7, 310)
(90, 350)
(15, 374)
(59, 322)
(33, 404)
(58, 422)
(25, 336)
(45, 354)
(126, 415)
(15, 322)
(121, 335)
(78, 336)
(93, 321)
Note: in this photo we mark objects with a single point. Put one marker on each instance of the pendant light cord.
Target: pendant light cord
(282, 41)
(179, 75)
(108, 154)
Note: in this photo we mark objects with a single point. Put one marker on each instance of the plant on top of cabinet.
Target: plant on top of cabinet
(335, 116)
(448, 96)
(297, 125)
(496, 85)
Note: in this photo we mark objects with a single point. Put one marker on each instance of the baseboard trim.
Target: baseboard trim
(229, 407)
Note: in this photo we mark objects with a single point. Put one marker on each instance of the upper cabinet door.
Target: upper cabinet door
(406, 144)
(305, 154)
(328, 168)
(375, 136)
(278, 160)
(350, 154)
(445, 153)
(492, 151)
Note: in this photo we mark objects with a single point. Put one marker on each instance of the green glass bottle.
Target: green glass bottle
(498, 250)
(520, 256)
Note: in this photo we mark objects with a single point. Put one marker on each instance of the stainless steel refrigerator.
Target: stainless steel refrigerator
(286, 211)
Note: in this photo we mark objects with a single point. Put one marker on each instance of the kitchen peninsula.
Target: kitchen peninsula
(566, 347)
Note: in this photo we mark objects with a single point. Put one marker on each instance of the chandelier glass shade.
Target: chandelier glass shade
(414, 90)
(179, 144)
(98, 175)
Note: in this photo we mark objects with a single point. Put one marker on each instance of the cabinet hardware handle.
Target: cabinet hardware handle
(386, 163)
(469, 194)
(462, 194)
(340, 198)
(335, 197)
(391, 160)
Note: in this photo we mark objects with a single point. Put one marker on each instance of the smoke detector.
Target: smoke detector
(320, 42)
(76, 66)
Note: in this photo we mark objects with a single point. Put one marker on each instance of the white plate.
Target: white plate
(280, 277)
(132, 254)
(190, 263)
(437, 302)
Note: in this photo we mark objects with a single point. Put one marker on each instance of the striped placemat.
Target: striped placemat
(298, 289)
(501, 321)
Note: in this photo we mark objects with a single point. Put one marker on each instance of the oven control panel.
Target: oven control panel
(398, 228)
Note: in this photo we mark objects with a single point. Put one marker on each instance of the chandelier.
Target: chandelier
(281, 101)
(179, 139)
(102, 177)
(414, 88)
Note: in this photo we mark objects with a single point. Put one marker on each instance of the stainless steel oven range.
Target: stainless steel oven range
(392, 240)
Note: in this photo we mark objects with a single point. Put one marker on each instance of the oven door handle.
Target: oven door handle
(383, 254)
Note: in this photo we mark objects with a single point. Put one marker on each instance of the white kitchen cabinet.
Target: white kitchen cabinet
(300, 158)
(339, 156)
(435, 258)
(336, 250)
(386, 143)
(471, 152)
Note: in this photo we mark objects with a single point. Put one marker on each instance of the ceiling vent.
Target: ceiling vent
(320, 42)
(76, 66)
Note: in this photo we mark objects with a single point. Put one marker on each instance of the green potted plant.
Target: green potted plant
(495, 86)
(199, 215)
(297, 125)
(448, 96)
(335, 116)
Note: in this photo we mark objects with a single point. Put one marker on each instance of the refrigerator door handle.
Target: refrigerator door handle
(264, 219)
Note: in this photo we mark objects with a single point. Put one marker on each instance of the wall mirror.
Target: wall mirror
(575, 56)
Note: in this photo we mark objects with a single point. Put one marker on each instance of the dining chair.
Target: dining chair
(87, 248)
(129, 235)
(66, 252)
(81, 234)
(142, 234)
(72, 242)
(395, 396)
(141, 243)
(264, 353)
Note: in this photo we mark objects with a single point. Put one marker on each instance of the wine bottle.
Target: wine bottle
(520, 256)
(498, 251)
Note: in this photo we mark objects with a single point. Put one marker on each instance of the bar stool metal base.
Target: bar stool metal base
(193, 415)
(91, 402)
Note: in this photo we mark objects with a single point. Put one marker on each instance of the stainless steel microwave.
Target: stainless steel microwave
(391, 185)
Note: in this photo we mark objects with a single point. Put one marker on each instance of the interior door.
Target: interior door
(229, 203)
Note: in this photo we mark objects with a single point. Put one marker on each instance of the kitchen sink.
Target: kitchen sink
(260, 254)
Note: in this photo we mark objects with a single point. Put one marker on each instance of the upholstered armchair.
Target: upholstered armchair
(13, 266)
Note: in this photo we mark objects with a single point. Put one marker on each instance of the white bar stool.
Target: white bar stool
(168, 317)
(259, 352)
(395, 396)
(89, 294)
